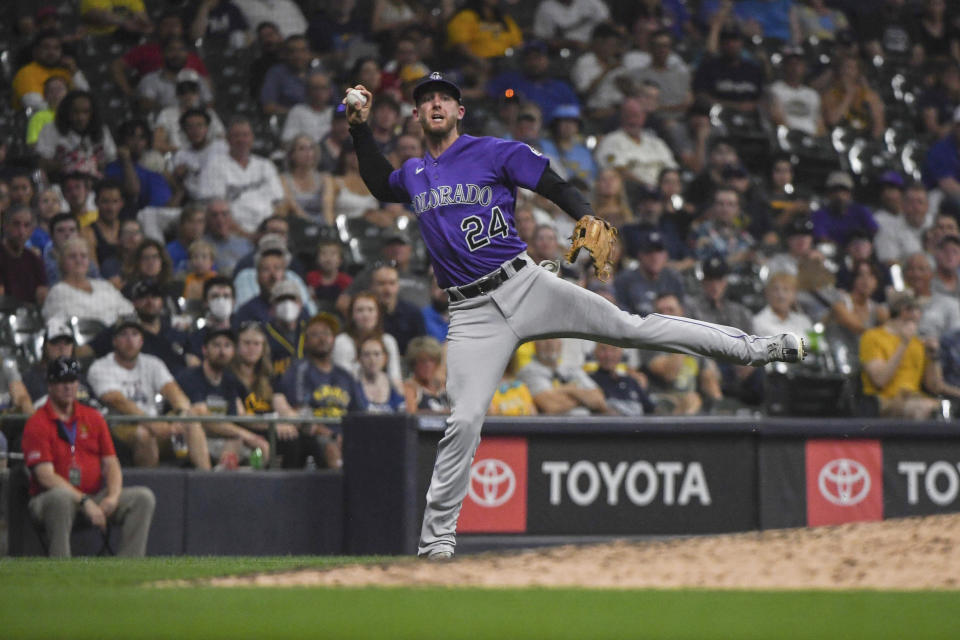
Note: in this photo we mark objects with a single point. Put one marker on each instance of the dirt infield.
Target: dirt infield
(913, 553)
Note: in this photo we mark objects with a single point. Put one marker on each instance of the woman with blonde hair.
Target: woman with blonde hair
(81, 296)
(424, 389)
(850, 101)
(610, 200)
(304, 187)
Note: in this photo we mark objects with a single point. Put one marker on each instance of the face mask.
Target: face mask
(288, 311)
(221, 308)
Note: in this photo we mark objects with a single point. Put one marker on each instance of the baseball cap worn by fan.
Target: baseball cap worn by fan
(799, 227)
(188, 76)
(127, 320)
(435, 81)
(272, 244)
(714, 268)
(651, 240)
(216, 333)
(326, 318)
(948, 239)
(145, 288)
(839, 180)
(58, 328)
(284, 289)
(63, 369)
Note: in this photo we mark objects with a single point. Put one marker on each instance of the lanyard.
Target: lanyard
(70, 431)
(295, 352)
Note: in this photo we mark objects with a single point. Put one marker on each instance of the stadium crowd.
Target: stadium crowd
(182, 210)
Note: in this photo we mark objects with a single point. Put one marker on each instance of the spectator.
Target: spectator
(277, 225)
(936, 39)
(624, 395)
(850, 102)
(384, 118)
(317, 386)
(894, 240)
(721, 155)
(401, 319)
(253, 285)
(58, 342)
(568, 23)
(799, 240)
(48, 205)
(532, 82)
(595, 73)
(424, 388)
(942, 168)
(382, 396)
(557, 388)
(63, 227)
(754, 216)
(680, 384)
(784, 200)
(121, 18)
(22, 273)
(128, 382)
(636, 153)
(76, 194)
(160, 338)
(285, 83)
(793, 103)
(937, 103)
(332, 144)
(436, 315)
(482, 29)
(898, 369)
(142, 187)
(218, 306)
(249, 182)
(78, 295)
(285, 326)
(129, 238)
(328, 281)
(304, 187)
(157, 90)
(201, 255)
(939, 313)
(351, 198)
(146, 58)
(512, 397)
(637, 289)
(228, 245)
(610, 200)
(781, 314)
(668, 71)
(199, 146)
(48, 62)
(54, 90)
(213, 391)
(816, 20)
(365, 319)
(150, 261)
(220, 22)
(649, 215)
(285, 15)
(103, 235)
(720, 233)
(944, 224)
(729, 79)
(65, 479)
(190, 227)
(270, 46)
(169, 134)
(566, 145)
(313, 116)
(946, 280)
(78, 141)
(841, 216)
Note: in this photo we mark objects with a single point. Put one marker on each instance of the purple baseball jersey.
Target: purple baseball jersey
(464, 201)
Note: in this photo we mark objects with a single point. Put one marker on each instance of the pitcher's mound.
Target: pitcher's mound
(911, 553)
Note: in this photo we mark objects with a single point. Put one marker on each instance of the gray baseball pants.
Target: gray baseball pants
(56, 510)
(535, 304)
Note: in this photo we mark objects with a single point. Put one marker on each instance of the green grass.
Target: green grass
(107, 598)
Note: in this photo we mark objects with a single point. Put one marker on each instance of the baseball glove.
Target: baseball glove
(599, 239)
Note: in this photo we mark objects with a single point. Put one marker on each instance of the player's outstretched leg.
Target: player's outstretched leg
(565, 309)
(479, 345)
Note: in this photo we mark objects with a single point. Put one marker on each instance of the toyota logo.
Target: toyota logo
(844, 482)
(492, 482)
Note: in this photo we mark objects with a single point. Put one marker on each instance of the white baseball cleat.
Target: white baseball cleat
(787, 347)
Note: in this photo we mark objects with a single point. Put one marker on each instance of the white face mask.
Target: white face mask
(288, 311)
(221, 308)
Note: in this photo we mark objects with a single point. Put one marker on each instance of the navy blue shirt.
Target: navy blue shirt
(404, 324)
(221, 399)
(328, 394)
(623, 393)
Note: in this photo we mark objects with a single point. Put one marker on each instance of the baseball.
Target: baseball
(356, 99)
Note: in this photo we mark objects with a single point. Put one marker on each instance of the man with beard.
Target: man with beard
(160, 338)
(317, 386)
(48, 62)
(285, 83)
(213, 390)
(158, 89)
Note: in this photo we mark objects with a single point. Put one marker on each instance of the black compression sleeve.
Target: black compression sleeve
(563, 194)
(374, 168)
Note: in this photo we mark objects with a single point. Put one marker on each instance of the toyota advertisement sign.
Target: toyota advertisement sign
(497, 496)
(844, 481)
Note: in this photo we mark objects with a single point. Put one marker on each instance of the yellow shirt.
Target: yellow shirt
(88, 217)
(483, 39)
(512, 399)
(37, 122)
(878, 343)
(121, 7)
(30, 79)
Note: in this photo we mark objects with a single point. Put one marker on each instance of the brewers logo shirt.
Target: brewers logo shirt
(464, 201)
(140, 384)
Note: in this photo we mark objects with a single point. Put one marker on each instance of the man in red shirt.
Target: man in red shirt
(68, 448)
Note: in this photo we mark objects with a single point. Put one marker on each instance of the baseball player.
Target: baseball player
(463, 191)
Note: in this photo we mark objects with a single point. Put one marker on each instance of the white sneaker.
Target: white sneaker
(787, 347)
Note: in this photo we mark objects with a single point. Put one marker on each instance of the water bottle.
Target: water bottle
(179, 443)
(311, 464)
(256, 459)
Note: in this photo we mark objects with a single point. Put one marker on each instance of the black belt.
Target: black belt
(486, 284)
